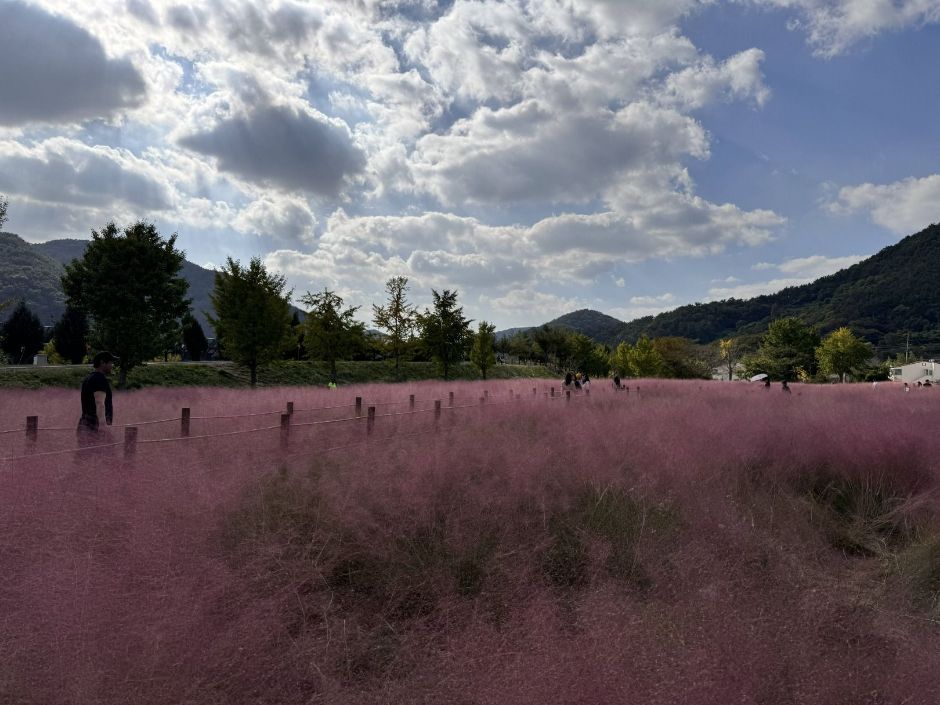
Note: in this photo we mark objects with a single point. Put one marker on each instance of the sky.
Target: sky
(538, 156)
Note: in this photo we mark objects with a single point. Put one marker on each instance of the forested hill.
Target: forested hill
(593, 324)
(31, 272)
(883, 298)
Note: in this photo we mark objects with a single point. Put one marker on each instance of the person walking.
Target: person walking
(96, 399)
(785, 387)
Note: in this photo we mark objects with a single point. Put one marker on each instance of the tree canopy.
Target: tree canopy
(787, 349)
(445, 333)
(483, 349)
(22, 335)
(331, 332)
(70, 335)
(252, 313)
(842, 352)
(194, 338)
(397, 318)
(129, 283)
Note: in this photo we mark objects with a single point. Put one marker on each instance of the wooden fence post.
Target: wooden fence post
(535, 391)
(184, 422)
(553, 392)
(290, 408)
(370, 421)
(32, 428)
(285, 431)
(358, 407)
(437, 413)
(486, 394)
(411, 402)
(130, 441)
(450, 399)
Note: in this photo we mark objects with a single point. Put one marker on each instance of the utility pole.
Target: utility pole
(907, 349)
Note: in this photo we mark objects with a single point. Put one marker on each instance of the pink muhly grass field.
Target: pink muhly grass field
(696, 542)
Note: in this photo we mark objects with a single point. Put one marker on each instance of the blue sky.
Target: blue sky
(537, 155)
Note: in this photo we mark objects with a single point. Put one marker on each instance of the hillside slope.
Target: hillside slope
(884, 297)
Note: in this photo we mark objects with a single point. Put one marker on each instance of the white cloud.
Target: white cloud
(834, 26)
(800, 270)
(904, 207)
(662, 299)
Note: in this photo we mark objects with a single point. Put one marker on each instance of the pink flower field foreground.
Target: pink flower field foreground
(696, 542)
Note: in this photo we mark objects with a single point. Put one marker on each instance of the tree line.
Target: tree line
(126, 295)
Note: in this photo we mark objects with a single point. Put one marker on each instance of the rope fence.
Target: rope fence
(131, 441)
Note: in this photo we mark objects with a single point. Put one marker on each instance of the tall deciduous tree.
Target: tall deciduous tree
(483, 349)
(332, 333)
(729, 353)
(620, 359)
(788, 347)
(194, 338)
(397, 318)
(22, 334)
(444, 331)
(842, 352)
(252, 313)
(645, 360)
(129, 283)
(70, 335)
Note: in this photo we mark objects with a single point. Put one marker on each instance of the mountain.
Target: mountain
(884, 298)
(593, 324)
(32, 271)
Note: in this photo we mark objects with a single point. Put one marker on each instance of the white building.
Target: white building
(916, 372)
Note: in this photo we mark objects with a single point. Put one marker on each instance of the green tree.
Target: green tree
(331, 332)
(3, 211)
(787, 348)
(842, 352)
(645, 360)
(620, 359)
(194, 338)
(22, 334)
(129, 283)
(483, 349)
(252, 313)
(398, 318)
(70, 335)
(444, 331)
(683, 359)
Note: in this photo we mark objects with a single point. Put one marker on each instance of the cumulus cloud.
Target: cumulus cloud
(283, 147)
(57, 72)
(799, 271)
(834, 26)
(285, 218)
(65, 171)
(904, 207)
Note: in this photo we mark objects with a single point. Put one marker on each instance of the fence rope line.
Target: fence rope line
(14, 458)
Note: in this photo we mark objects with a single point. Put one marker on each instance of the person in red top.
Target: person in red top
(96, 399)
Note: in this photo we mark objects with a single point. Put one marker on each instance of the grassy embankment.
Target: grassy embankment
(281, 373)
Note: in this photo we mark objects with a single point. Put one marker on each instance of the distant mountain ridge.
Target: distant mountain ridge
(885, 298)
(32, 271)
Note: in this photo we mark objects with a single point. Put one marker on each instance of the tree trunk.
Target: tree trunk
(333, 370)
(122, 377)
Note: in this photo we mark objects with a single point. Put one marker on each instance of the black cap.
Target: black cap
(103, 356)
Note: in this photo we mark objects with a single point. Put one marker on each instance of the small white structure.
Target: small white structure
(40, 359)
(916, 372)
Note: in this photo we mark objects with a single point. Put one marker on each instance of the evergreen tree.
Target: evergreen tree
(444, 331)
(842, 352)
(3, 211)
(483, 349)
(129, 283)
(194, 338)
(70, 335)
(332, 333)
(786, 349)
(22, 335)
(398, 318)
(252, 313)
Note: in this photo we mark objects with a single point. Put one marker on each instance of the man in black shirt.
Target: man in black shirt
(96, 398)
